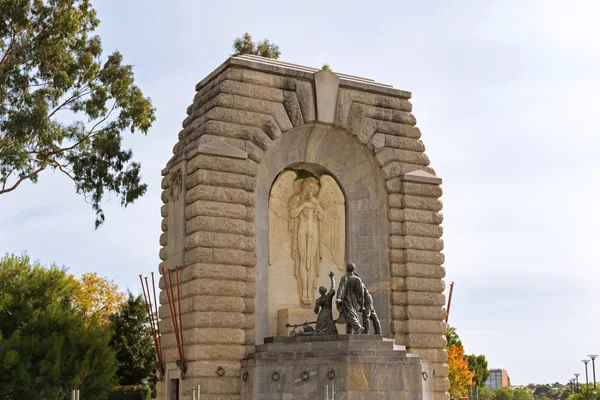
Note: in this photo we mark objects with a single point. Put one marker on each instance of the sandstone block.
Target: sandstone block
(416, 256)
(441, 369)
(255, 152)
(208, 287)
(441, 384)
(220, 256)
(219, 194)
(164, 183)
(421, 189)
(441, 396)
(398, 284)
(398, 129)
(408, 215)
(292, 107)
(347, 97)
(432, 355)
(219, 224)
(405, 143)
(434, 313)
(223, 352)
(425, 284)
(249, 304)
(416, 229)
(164, 210)
(419, 326)
(219, 239)
(421, 203)
(213, 271)
(164, 196)
(393, 172)
(388, 114)
(236, 131)
(215, 388)
(377, 142)
(214, 163)
(205, 303)
(250, 336)
(217, 178)
(163, 239)
(249, 289)
(207, 336)
(207, 369)
(249, 321)
(213, 319)
(389, 154)
(416, 242)
(418, 299)
(425, 270)
(426, 340)
(216, 209)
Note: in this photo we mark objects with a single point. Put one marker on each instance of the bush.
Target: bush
(134, 392)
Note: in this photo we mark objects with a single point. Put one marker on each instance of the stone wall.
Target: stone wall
(249, 118)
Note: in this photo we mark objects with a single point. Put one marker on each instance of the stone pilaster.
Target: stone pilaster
(417, 271)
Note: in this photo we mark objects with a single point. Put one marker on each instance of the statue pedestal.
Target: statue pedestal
(293, 316)
(308, 367)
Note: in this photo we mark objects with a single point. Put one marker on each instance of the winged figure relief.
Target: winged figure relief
(310, 213)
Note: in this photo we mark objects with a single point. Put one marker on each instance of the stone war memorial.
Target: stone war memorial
(304, 219)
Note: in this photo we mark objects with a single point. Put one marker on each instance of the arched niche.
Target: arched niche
(324, 149)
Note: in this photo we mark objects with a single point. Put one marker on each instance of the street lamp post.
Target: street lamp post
(577, 382)
(571, 381)
(587, 381)
(593, 357)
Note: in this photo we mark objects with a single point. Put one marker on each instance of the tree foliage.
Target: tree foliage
(46, 347)
(263, 48)
(132, 342)
(586, 392)
(478, 365)
(459, 375)
(507, 393)
(98, 297)
(63, 106)
(452, 338)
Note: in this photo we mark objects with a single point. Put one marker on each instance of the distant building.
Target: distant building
(498, 378)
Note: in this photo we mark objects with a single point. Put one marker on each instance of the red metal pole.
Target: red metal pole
(148, 312)
(179, 305)
(449, 301)
(171, 305)
(152, 323)
(156, 313)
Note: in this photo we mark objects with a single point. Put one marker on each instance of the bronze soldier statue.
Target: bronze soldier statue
(350, 300)
(325, 322)
(370, 314)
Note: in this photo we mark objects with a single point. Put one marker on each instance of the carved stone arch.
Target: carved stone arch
(358, 174)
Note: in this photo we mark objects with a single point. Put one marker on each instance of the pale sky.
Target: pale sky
(505, 94)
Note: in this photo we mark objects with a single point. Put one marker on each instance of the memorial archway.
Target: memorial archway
(323, 149)
(250, 119)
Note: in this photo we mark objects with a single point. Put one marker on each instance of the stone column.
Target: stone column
(417, 271)
(216, 255)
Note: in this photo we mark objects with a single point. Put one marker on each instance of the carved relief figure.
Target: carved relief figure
(311, 213)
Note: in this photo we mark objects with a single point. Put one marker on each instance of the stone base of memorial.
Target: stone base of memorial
(343, 367)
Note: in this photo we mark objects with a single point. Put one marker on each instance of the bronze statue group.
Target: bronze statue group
(352, 300)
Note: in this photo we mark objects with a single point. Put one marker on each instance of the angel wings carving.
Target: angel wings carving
(310, 213)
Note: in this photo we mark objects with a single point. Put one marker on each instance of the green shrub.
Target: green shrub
(134, 392)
